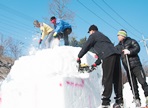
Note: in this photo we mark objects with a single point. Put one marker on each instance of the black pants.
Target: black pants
(64, 35)
(137, 73)
(67, 31)
(112, 75)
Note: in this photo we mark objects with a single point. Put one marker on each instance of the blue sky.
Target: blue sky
(17, 16)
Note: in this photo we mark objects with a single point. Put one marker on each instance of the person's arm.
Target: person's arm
(119, 48)
(135, 49)
(47, 28)
(43, 32)
(87, 46)
(59, 26)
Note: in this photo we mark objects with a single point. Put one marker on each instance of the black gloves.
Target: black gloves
(98, 61)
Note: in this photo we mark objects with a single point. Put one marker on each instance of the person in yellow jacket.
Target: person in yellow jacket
(47, 32)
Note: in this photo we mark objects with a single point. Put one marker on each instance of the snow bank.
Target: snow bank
(50, 78)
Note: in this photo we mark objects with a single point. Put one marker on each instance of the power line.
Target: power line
(8, 32)
(17, 13)
(143, 40)
(122, 18)
(9, 24)
(113, 18)
(1, 34)
(79, 17)
(14, 34)
(14, 20)
(97, 15)
(107, 13)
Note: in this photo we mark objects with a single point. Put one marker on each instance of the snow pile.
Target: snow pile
(49, 78)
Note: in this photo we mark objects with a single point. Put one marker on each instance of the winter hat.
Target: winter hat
(122, 33)
(92, 27)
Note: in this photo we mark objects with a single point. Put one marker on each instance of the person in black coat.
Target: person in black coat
(110, 58)
(130, 47)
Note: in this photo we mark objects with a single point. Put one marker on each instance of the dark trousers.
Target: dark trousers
(112, 75)
(64, 35)
(137, 73)
(66, 32)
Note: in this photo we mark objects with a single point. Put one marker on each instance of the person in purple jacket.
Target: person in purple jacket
(61, 29)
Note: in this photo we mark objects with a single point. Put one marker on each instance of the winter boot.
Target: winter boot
(138, 103)
(105, 106)
(146, 101)
(118, 105)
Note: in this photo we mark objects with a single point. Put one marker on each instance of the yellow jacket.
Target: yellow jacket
(46, 29)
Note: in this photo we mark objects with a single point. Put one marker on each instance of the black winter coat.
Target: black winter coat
(134, 48)
(101, 45)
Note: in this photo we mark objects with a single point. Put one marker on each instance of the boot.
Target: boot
(118, 105)
(105, 106)
(146, 101)
(138, 103)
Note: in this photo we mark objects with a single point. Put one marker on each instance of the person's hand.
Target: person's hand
(40, 41)
(55, 34)
(78, 60)
(93, 67)
(126, 51)
(96, 56)
(98, 61)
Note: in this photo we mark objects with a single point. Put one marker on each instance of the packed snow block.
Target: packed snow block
(50, 79)
(67, 92)
(80, 93)
(58, 92)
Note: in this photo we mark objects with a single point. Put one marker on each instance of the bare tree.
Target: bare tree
(1, 50)
(16, 49)
(4, 43)
(58, 8)
(10, 47)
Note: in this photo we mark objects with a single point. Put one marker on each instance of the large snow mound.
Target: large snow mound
(50, 78)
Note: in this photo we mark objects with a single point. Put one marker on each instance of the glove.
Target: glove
(40, 41)
(78, 60)
(55, 33)
(93, 67)
(96, 56)
(98, 61)
(126, 51)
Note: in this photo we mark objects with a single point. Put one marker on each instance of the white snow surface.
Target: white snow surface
(49, 78)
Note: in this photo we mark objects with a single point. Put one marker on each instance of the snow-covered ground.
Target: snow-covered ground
(49, 78)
